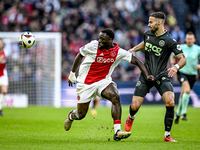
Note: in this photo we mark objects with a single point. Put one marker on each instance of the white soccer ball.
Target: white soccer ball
(26, 39)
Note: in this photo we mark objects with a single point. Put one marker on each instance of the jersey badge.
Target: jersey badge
(161, 42)
(138, 83)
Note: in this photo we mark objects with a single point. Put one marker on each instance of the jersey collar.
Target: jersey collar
(113, 48)
(161, 34)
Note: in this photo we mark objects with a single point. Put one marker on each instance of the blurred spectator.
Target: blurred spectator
(79, 21)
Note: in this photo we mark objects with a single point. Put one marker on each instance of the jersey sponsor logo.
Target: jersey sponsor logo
(149, 47)
(104, 60)
(161, 42)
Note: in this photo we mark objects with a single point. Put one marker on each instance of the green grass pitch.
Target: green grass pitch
(36, 128)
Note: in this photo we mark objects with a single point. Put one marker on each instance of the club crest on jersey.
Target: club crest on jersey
(161, 42)
(138, 83)
(113, 54)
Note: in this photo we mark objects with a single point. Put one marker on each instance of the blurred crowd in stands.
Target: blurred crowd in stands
(80, 21)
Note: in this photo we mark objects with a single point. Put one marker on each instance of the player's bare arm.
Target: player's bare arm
(181, 63)
(142, 67)
(76, 64)
(198, 66)
(172, 60)
(137, 48)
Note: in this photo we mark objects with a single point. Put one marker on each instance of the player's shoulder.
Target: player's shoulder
(148, 32)
(196, 46)
(168, 37)
(92, 44)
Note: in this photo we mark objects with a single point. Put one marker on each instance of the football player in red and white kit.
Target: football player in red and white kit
(3, 76)
(94, 78)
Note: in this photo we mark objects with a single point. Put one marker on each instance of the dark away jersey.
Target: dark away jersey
(157, 52)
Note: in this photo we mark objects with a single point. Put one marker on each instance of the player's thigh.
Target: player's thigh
(186, 87)
(4, 89)
(110, 92)
(107, 89)
(167, 93)
(136, 102)
(168, 98)
(4, 83)
(85, 93)
(142, 87)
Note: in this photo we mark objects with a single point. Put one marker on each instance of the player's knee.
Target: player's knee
(135, 106)
(187, 91)
(116, 97)
(170, 102)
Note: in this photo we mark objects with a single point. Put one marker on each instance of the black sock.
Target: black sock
(169, 116)
(132, 112)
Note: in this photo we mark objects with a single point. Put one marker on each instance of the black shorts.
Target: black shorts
(163, 84)
(184, 77)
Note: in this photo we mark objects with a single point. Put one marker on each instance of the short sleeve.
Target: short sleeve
(125, 55)
(88, 48)
(176, 48)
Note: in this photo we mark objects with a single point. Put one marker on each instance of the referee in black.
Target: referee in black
(158, 45)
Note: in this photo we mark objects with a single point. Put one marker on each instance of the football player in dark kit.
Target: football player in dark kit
(158, 45)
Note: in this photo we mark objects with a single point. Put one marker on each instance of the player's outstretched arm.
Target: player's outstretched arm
(142, 67)
(181, 63)
(138, 47)
(76, 64)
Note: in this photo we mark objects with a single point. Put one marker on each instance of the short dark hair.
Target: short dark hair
(109, 32)
(160, 15)
(190, 33)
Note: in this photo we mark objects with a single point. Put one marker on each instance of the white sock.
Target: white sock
(117, 127)
(167, 133)
(2, 98)
(131, 117)
(76, 115)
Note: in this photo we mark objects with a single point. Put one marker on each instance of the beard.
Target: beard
(154, 29)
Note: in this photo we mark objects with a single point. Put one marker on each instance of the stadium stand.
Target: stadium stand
(79, 21)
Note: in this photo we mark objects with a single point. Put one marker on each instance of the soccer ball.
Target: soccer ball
(26, 40)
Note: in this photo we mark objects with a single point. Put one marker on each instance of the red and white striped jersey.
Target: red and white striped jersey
(2, 63)
(100, 63)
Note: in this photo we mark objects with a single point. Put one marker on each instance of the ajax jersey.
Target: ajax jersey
(2, 64)
(100, 63)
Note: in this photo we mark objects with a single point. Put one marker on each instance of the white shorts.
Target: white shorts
(4, 79)
(86, 93)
